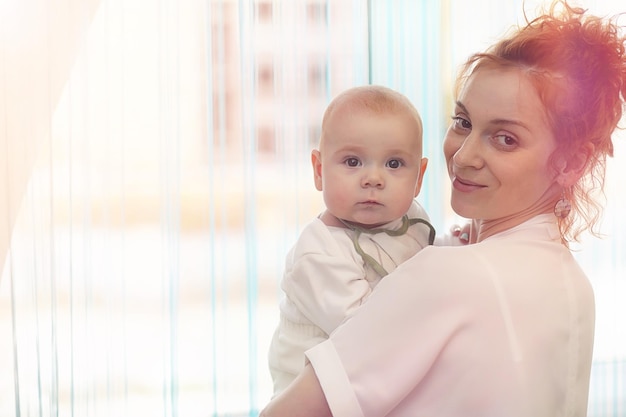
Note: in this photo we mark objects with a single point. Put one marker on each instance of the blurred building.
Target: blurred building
(271, 87)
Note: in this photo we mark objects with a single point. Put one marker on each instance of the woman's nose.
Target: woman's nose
(469, 153)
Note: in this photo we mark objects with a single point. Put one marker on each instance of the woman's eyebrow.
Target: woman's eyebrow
(459, 104)
(499, 121)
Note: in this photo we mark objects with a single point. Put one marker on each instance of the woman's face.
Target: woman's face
(497, 148)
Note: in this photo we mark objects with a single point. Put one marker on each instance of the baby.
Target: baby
(369, 167)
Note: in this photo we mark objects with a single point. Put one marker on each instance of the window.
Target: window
(316, 12)
(173, 174)
(264, 11)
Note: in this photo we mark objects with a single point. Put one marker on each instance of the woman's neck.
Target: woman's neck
(482, 229)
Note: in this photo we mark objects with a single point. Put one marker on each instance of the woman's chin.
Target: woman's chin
(462, 209)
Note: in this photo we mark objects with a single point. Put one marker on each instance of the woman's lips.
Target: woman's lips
(464, 185)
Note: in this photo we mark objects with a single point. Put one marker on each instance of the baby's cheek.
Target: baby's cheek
(336, 198)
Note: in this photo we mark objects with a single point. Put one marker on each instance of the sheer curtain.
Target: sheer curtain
(156, 171)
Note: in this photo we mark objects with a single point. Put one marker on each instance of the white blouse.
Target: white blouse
(502, 328)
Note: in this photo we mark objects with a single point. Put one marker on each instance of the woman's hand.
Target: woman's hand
(302, 398)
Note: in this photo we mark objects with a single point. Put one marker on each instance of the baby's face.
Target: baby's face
(370, 166)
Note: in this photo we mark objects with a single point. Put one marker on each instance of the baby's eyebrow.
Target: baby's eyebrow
(349, 148)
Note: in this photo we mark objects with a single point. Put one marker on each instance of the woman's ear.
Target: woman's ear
(570, 169)
(316, 162)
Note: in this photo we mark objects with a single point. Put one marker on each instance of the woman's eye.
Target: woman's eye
(505, 141)
(394, 163)
(461, 123)
(352, 162)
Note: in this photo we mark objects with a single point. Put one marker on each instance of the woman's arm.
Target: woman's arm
(303, 398)
(374, 360)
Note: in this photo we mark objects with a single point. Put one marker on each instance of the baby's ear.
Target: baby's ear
(571, 168)
(316, 162)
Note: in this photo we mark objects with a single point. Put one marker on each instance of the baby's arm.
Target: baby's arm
(323, 279)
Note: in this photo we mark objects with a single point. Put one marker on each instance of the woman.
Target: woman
(503, 327)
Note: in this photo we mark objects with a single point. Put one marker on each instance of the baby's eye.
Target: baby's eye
(352, 162)
(394, 163)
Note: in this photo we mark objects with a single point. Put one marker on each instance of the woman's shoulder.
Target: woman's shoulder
(516, 254)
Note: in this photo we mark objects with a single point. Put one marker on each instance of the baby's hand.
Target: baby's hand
(456, 236)
(462, 233)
